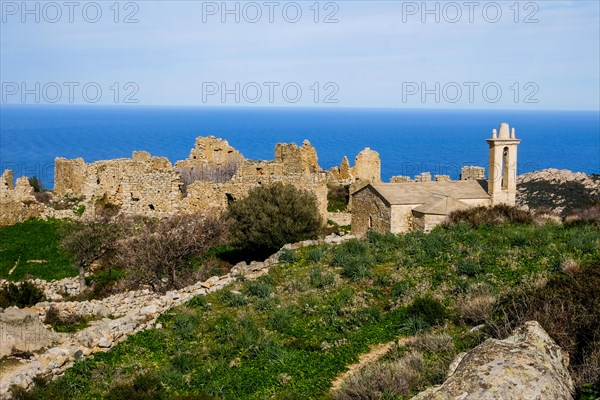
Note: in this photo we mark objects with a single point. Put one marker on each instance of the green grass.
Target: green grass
(33, 240)
(313, 315)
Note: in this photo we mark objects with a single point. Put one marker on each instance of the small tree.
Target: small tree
(162, 249)
(271, 216)
(89, 241)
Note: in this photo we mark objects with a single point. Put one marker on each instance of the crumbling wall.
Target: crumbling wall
(143, 184)
(472, 173)
(214, 174)
(17, 202)
(367, 169)
(367, 166)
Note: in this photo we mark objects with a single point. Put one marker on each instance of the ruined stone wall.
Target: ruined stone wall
(17, 202)
(204, 196)
(472, 173)
(367, 169)
(142, 185)
(214, 174)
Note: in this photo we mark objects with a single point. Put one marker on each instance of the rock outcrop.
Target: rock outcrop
(561, 191)
(527, 365)
(22, 332)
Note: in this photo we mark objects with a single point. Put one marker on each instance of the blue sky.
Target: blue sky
(377, 54)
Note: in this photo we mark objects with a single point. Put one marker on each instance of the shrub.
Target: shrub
(476, 306)
(567, 308)
(72, 323)
(271, 216)
(497, 215)
(288, 256)
(259, 289)
(589, 214)
(160, 255)
(144, 387)
(317, 253)
(470, 269)
(430, 310)
(89, 241)
(320, 280)
(24, 294)
(338, 197)
(43, 197)
(355, 258)
(434, 343)
(380, 380)
(232, 299)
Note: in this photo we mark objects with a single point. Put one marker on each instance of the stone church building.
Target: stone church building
(423, 204)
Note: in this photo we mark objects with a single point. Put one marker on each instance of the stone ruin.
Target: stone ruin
(468, 173)
(211, 177)
(17, 202)
(367, 169)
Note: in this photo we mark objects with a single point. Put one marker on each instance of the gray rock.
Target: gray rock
(105, 343)
(21, 330)
(526, 365)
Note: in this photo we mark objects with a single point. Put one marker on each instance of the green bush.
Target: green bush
(259, 289)
(271, 216)
(232, 299)
(24, 294)
(70, 324)
(470, 269)
(355, 258)
(144, 387)
(337, 198)
(430, 310)
(318, 279)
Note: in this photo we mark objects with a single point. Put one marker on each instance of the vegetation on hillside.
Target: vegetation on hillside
(271, 216)
(30, 249)
(289, 334)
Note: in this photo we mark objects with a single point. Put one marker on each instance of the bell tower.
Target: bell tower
(502, 170)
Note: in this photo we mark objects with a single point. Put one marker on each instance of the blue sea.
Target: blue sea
(408, 141)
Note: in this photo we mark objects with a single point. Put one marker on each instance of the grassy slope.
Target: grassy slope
(33, 240)
(307, 320)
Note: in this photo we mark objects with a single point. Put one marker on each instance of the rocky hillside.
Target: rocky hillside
(562, 191)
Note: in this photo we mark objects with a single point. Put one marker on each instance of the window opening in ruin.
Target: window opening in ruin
(151, 206)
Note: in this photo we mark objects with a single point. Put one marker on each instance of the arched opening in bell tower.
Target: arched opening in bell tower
(505, 168)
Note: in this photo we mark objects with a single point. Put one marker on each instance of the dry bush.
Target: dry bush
(496, 215)
(434, 343)
(217, 173)
(159, 255)
(567, 308)
(589, 214)
(476, 306)
(570, 267)
(590, 366)
(43, 197)
(89, 241)
(379, 379)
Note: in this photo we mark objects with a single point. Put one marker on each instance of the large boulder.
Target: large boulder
(527, 365)
(21, 331)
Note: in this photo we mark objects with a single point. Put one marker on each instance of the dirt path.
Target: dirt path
(373, 355)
